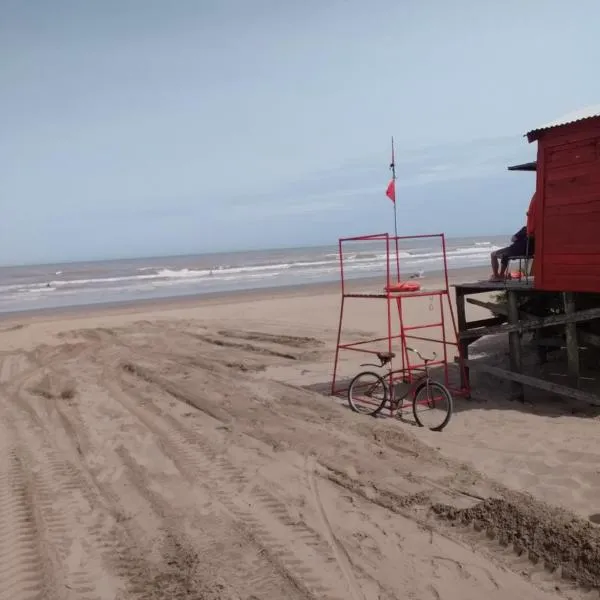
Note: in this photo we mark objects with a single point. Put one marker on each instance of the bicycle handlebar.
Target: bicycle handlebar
(423, 358)
(409, 349)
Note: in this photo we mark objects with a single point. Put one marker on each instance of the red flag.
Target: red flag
(391, 191)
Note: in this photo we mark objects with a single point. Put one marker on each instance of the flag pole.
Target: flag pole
(393, 167)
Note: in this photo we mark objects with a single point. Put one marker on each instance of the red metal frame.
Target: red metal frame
(407, 369)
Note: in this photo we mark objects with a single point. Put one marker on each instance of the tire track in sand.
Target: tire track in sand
(218, 545)
(12, 365)
(78, 522)
(93, 549)
(70, 509)
(343, 558)
(22, 572)
(300, 550)
(28, 562)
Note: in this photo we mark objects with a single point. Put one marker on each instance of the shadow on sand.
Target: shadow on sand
(490, 393)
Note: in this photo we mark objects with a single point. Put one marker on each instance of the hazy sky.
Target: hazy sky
(139, 127)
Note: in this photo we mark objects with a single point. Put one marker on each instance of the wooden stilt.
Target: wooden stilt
(461, 317)
(577, 327)
(571, 341)
(514, 342)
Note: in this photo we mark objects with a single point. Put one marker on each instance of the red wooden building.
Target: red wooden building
(567, 219)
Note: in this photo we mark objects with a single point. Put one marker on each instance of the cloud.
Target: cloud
(347, 186)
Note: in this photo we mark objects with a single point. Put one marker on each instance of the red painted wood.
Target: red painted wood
(568, 134)
(575, 261)
(538, 264)
(567, 256)
(572, 154)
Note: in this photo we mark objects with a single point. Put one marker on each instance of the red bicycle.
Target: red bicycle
(431, 402)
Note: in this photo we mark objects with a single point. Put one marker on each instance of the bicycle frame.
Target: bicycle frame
(394, 398)
(400, 384)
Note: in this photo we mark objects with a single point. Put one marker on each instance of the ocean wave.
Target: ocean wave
(324, 266)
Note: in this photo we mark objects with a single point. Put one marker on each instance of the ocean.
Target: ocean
(36, 287)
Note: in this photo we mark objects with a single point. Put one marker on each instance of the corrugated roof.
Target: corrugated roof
(588, 112)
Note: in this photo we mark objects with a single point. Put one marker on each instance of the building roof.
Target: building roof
(530, 166)
(589, 112)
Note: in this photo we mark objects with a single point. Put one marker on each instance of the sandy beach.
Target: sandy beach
(178, 449)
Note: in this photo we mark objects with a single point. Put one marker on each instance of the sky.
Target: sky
(144, 127)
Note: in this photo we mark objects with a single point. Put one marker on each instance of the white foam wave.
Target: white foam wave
(324, 266)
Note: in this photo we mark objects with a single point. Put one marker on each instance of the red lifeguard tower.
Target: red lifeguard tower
(393, 299)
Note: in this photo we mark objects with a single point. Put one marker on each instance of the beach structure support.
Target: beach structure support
(510, 319)
(397, 338)
(566, 261)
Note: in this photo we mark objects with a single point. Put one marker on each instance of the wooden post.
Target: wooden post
(541, 348)
(514, 343)
(463, 345)
(571, 340)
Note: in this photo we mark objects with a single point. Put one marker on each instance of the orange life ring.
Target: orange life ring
(404, 286)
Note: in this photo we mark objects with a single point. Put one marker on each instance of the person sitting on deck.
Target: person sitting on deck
(522, 244)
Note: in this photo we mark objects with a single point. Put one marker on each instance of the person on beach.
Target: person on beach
(522, 244)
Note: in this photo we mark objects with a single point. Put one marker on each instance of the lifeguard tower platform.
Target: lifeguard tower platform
(401, 329)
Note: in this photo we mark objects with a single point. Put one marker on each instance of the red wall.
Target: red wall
(567, 253)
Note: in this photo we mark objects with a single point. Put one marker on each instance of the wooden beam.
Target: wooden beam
(492, 321)
(537, 323)
(494, 307)
(463, 344)
(589, 338)
(479, 287)
(571, 340)
(497, 308)
(552, 342)
(535, 382)
(514, 343)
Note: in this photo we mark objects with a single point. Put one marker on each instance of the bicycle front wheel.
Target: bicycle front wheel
(367, 393)
(432, 405)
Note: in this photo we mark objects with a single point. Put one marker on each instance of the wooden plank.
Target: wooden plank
(566, 172)
(463, 345)
(581, 187)
(535, 382)
(584, 202)
(588, 257)
(571, 341)
(551, 342)
(576, 132)
(540, 185)
(542, 347)
(493, 307)
(492, 321)
(591, 339)
(564, 281)
(572, 154)
(538, 323)
(479, 287)
(570, 234)
(497, 308)
(514, 342)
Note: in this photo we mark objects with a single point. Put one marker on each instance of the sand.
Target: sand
(179, 450)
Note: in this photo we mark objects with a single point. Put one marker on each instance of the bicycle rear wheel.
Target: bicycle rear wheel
(432, 405)
(367, 393)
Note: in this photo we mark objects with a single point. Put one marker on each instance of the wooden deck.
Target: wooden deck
(509, 318)
(479, 287)
(394, 294)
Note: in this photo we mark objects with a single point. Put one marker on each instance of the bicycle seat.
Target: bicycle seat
(385, 356)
